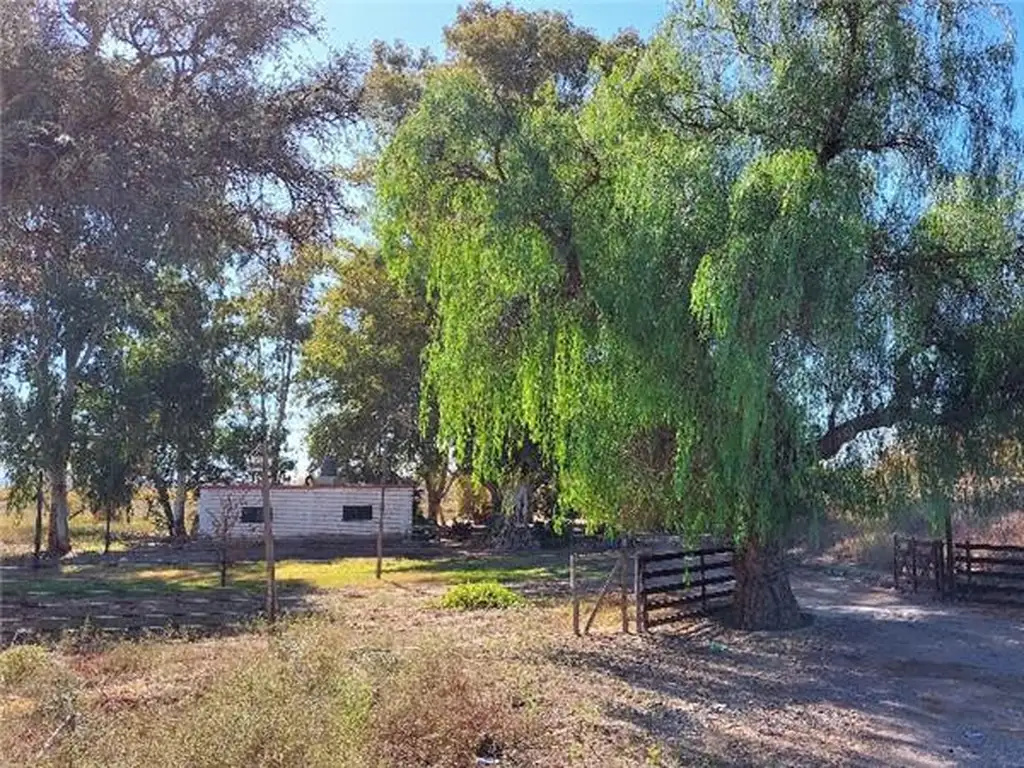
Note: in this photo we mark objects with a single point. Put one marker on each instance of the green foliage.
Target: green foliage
(479, 596)
(736, 252)
(137, 146)
(21, 664)
(361, 366)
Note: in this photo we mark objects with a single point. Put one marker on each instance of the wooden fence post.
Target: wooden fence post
(638, 591)
(938, 564)
(380, 535)
(575, 595)
(623, 595)
(703, 586)
(913, 562)
(895, 561)
(949, 561)
(600, 597)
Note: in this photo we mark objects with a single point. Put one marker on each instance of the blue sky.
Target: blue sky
(420, 22)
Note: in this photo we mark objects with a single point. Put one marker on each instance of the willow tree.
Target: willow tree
(705, 275)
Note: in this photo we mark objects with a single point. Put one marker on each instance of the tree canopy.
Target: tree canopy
(774, 229)
(142, 140)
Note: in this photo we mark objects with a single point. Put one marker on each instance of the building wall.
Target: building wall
(309, 511)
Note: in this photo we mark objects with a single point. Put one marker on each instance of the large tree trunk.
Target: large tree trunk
(495, 494)
(164, 498)
(437, 483)
(434, 505)
(178, 516)
(106, 530)
(58, 540)
(514, 528)
(763, 598)
(58, 537)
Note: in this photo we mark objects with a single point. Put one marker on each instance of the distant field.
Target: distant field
(17, 528)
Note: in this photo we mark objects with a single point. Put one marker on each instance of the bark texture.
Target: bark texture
(180, 496)
(58, 537)
(514, 530)
(164, 499)
(763, 598)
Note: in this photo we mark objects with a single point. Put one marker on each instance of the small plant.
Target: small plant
(481, 595)
(22, 663)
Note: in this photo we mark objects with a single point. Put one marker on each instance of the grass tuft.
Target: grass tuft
(480, 595)
(311, 693)
(22, 664)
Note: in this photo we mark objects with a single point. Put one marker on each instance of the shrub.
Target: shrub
(22, 664)
(488, 594)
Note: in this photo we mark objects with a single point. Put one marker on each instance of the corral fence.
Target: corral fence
(979, 572)
(674, 586)
(662, 586)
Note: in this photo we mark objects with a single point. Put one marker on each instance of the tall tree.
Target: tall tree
(137, 137)
(718, 264)
(109, 434)
(182, 360)
(362, 366)
(274, 308)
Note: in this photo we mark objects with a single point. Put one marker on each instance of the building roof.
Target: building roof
(339, 486)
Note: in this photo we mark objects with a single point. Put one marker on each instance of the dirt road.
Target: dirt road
(879, 678)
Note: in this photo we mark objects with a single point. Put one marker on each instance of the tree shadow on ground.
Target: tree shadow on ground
(855, 687)
(136, 601)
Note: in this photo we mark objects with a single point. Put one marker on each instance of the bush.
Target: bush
(488, 594)
(23, 664)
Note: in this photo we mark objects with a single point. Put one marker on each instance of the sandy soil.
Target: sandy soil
(878, 678)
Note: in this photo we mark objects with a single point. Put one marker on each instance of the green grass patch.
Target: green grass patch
(135, 581)
(480, 595)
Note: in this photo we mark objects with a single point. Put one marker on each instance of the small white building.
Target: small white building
(349, 511)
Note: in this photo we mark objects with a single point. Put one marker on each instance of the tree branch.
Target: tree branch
(839, 435)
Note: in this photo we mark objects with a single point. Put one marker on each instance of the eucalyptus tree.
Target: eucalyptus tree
(707, 274)
(182, 360)
(361, 367)
(140, 137)
(109, 436)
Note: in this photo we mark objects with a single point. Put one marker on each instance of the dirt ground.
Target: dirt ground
(878, 678)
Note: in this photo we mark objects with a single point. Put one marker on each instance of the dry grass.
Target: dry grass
(869, 542)
(17, 530)
(312, 694)
(384, 677)
(1006, 529)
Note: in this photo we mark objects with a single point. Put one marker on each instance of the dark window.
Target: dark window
(252, 515)
(357, 512)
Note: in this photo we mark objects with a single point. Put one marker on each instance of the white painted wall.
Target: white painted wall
(310, 511)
